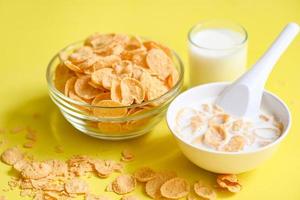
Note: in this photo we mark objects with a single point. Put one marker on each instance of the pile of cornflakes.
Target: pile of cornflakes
(57, 179)
(115, 70)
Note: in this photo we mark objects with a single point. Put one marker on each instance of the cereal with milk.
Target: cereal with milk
(210, 127)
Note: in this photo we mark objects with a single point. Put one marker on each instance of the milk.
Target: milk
(215, 55)
(259, 133)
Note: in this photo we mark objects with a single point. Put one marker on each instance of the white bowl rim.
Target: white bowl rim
(283, 135)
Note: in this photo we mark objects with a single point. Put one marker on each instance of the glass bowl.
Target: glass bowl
(80, 115)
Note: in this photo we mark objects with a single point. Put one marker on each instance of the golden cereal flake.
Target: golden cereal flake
(12, 155)
(236, 143)
(76, 186)
(100, 97)
(127, 155)
(21, 164)
(81, 54)
(219, 119)
(59, 167)
(159, 63)
(103, 168)
(62, 74)
(229, 182)
(204, 191)
(116, 94)
(153, 86)
(153, 186)
(17, 129)
(103, 77)
(36, 170)
(124, 184)
(215, 136)
(29, 144)
(72, 66)
(175, 188)
(113, 112)
(132, 91)
(144, 174)
(69, 86)
(84, 90)
(154, 45)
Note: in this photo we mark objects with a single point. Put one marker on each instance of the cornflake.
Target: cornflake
(204, 191)
(124, 184)
(215, 136)
(175, 188)
(29, 144)
(229, 182)
(12, 155)
(127, 155)
(144, 174)
(36, 170)
(76, 186)
(153, 186)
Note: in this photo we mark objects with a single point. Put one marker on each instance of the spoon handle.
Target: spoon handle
(258, 74)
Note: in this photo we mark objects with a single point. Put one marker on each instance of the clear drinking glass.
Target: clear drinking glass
(217, 51)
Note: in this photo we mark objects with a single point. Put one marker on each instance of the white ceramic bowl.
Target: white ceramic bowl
(227, 162)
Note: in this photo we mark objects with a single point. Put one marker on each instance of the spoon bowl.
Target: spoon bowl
(243, 97)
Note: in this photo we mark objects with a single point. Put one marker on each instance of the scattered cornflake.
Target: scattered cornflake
(229, 182)
(204, 191)
(58, 149)
(127, 155)
(153, 186)
(36, 170)
(36, 115)
(21, 164)
(31, 134)
(175, 188)
(12, 155)
(124, 184)
(144, 174)
(129, 197)
(17, 129)
(29, 144)
(106, 167)
(76, 186)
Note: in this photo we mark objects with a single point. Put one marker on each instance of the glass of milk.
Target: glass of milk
(217, 51)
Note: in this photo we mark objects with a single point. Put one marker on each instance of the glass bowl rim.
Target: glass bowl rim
(203, 22)
(52, 87)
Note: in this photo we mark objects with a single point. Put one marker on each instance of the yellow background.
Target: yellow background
(31, 32)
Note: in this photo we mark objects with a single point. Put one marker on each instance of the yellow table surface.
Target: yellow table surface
(31, 32)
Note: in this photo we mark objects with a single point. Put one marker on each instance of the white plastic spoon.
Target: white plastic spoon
(243, 97)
